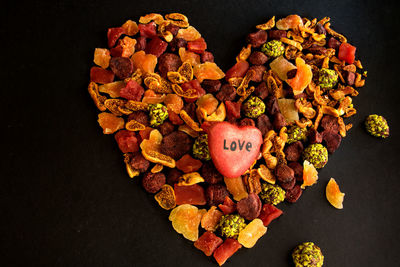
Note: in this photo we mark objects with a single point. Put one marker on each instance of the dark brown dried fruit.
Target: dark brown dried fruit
(190, 109)
(284, 173)
(320, 29)
(211, 86)
(258, 73)
(140, 116)
(333, 43)
(121, 66)
(227, 93)
(276, 34)
(166, 128)
(210, 174)
(250, 207)
(176, 144)
(293, 151)
(256, 39)
(247, 122)
(298, 170)
(292, 195)
(261, 90)
(271, 105)
(172, 29)
(152, 182)
(288, 185)
(138, 162)
(215, 194)
(330, 123)
(332, 140)
(279, 121)
(173, 176)
(206, 57)
(177, 43)
(264, 124)
(314, 137)
(291, 73)
(140, 43)
(258, 58)
(168, 62)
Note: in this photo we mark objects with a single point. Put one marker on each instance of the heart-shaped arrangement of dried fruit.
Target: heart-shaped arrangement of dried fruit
(195, 133)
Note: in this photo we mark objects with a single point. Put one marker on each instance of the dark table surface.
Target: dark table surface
(65, 197)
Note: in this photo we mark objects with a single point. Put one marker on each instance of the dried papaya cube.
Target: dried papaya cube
(208, 70)
(190, 194)
(226, 250)
(236, 187)
(156, 47)
(130, 27)
(128, 46)
(113, 35)
(189, 34)
(112, 89)
(251, 233)
(197, 46)
(269, 213)
(174, 102)
(208, 242)
(185, 220)
(238, 70)
(166, 197)
(148, 30)
(102, 76)
(110, 123)
(211, 219)
(102, 57)
(187, 164)
(145, 62)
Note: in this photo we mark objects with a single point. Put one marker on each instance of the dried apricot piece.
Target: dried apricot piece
(131, 28)
(251, 233)
(187, 164)
(110, 123)
(190, 194)
(310, 174)
(145, 62)
(211, 219)
(166, 197)
(266, 174)
(333, 194)
(189, 34)
(112, 89)
(191, 57)
(185, 220)
(236, 187)
(102, 57)
(174, 102)
(208, 70)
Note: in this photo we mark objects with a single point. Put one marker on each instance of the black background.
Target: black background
(65, 197)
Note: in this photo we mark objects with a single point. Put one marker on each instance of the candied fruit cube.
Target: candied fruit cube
(190, 194)
(127, 141)
(226, 250)
(102, 76)
(208, 242)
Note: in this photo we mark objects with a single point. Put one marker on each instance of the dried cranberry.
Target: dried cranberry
(284, 173)
(190, 109)
(173, 176)
(116, 51)
(168, 62)
(314, 137)
(350, 77)
(320, 29)
(247, 122)
(176, 144)
(166, 128)
(279, 121)
(330, 123)
(332, 140)
(271, 105)
(334, 43)
(177, 43)
(172, 29)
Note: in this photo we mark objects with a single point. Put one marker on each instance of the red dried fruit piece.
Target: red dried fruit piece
(128, 46)
(226, 250)
(140, 43)
(174, 118)
(347, 52)
(156, 47)
(238, 70)
(121, 66)
(256, 39)
(127, 141)
(189, 194)
(198, 46)
(102, 76)
(232, 109)
(188, 164)
(195, 85)
(145, 134)
(208, 242)
(148, 30)
(116, 51)
(113, 35)
(132, 91)
(207, 125)
(292, 195)
(228, 207)
(269, 213)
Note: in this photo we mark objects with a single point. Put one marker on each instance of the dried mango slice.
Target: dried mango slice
(333, 194)
(190, 179)
(218, 115)
(186, 220)
(110, 123)
(268, 25)
(157, 18)
(178, 19)
(310, 174)
(266, 174)
(189, 121)
(251, 233)
(210, 220)
(236, 187)
(112, 89)
(166, 197)
(157, 157)
(133, 126)
(208, 70)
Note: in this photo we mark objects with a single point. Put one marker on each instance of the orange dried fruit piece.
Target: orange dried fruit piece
(174, 102)
(145, 62)
(186, 220)
(303, 77)
(131, 28)
(189, 34)
(112, 89)
(186, 129)
(333, 194)
(186, 70)
(189, 121)
(128, 46)
(176, 77)
(189, 56)
(310, 174)
(251, 233)
(157, 168)
(98, 99)
(210, 220)
(150, 97)
(102, 57)
(207, 102)
(190, 179)
(166, 197)
(187, 164)
(157, 18)
(266, 174)
(218, 115)
(208, 70)
(133, 125)
(153, 142)
(110, 123)
(157, 157)
(236, 187)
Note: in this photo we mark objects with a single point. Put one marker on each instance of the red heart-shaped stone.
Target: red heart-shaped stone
(233, 149)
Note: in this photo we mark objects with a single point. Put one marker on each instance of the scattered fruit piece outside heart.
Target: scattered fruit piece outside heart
(198, 137)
